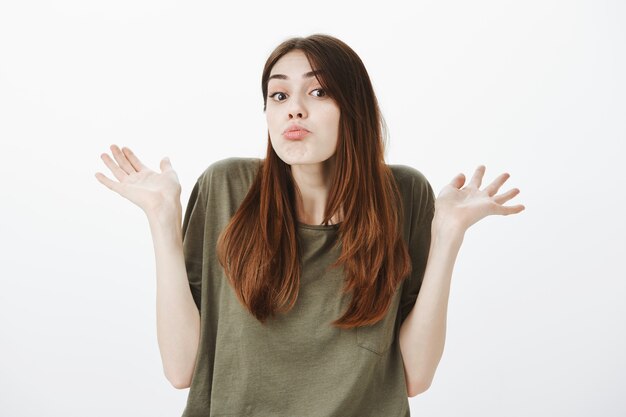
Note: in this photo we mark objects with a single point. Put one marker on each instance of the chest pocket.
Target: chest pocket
(379, 337)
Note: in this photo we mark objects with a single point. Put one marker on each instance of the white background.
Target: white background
(533, 88)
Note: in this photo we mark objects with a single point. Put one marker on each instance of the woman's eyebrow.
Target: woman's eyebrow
(306, 75)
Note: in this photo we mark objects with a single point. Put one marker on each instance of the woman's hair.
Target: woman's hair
(259, 248)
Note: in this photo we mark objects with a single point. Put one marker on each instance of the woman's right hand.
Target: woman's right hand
(155, 193)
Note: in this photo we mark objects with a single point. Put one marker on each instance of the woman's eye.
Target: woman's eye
(275, 94)
(318, 92)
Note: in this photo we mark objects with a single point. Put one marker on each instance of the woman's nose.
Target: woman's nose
(297, 109)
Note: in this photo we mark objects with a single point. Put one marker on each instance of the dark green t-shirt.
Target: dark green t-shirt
(297, 364)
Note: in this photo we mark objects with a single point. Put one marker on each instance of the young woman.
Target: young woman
(292, 287)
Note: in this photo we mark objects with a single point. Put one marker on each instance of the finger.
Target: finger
(506, 210)
(117, 171)
(458, 180)
(132, 158)
(165, 164)
(503, 198)
(110, 184)
(497, 183)
(477, 177)
(121, 160)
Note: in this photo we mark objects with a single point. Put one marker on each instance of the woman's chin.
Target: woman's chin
(296, 159)
(302, 156)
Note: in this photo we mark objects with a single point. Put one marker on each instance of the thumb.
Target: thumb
(165, 164)
(458, 180)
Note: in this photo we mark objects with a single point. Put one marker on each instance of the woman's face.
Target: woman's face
(296, 97)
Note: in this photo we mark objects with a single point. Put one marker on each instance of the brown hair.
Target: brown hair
(258, 249)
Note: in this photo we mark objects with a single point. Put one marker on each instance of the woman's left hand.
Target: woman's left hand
(460, 208)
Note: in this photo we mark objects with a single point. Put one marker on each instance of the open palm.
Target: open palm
(465, 206)
(144, 187)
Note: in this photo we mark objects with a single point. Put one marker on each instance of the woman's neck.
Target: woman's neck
(313, 182)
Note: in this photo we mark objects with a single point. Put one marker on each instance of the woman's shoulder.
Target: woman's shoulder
(415, 189)
(228, 175)
(230, 165)
(230, 168)
(408, 175)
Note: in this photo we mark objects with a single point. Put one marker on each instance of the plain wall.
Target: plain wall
(533, 88)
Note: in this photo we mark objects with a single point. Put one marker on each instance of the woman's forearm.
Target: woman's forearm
(178, 319)
(423, 333)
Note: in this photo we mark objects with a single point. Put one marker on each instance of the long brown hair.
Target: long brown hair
(258, 249)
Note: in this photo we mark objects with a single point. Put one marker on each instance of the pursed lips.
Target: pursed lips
(295, 132)
(295, 128)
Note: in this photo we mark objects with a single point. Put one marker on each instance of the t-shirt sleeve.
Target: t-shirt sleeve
(193, 239)
(421, 214)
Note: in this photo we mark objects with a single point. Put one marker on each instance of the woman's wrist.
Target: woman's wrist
(447, 227)
(167, 215)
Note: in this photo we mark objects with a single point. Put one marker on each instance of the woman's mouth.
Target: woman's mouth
(295, 134)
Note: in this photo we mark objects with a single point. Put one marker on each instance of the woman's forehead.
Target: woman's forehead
(293, 65)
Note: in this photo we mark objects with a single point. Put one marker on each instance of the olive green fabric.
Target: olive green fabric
(297, 364)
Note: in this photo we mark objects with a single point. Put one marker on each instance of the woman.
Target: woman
(305, 266)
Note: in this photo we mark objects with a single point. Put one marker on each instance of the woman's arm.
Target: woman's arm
(178, 318)
(423, 332)
(158, 195)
